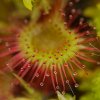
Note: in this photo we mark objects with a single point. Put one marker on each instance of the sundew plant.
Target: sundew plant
(49, 49)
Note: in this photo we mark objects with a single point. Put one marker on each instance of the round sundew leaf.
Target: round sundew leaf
(46, 52)
(45, 35)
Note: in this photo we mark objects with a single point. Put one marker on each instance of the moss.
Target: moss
(91, 86)
(94, 13)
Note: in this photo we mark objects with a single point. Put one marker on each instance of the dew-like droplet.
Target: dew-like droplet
(28, 66)
(76, 85)
(41, 84)
(83, 66)
(63, 14)
(75, 74)
(57, 87)
(67, 81)
(6, 44)
(77, 1)
(37, 74)
(98, 63)
(47, 75)
(70, 16)
(22, 70)
(25, 21)
(73, 11)
(9, 49)
(23, 60)
(63, 92)
(7, 65)
(70, 3)
(55, 72)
